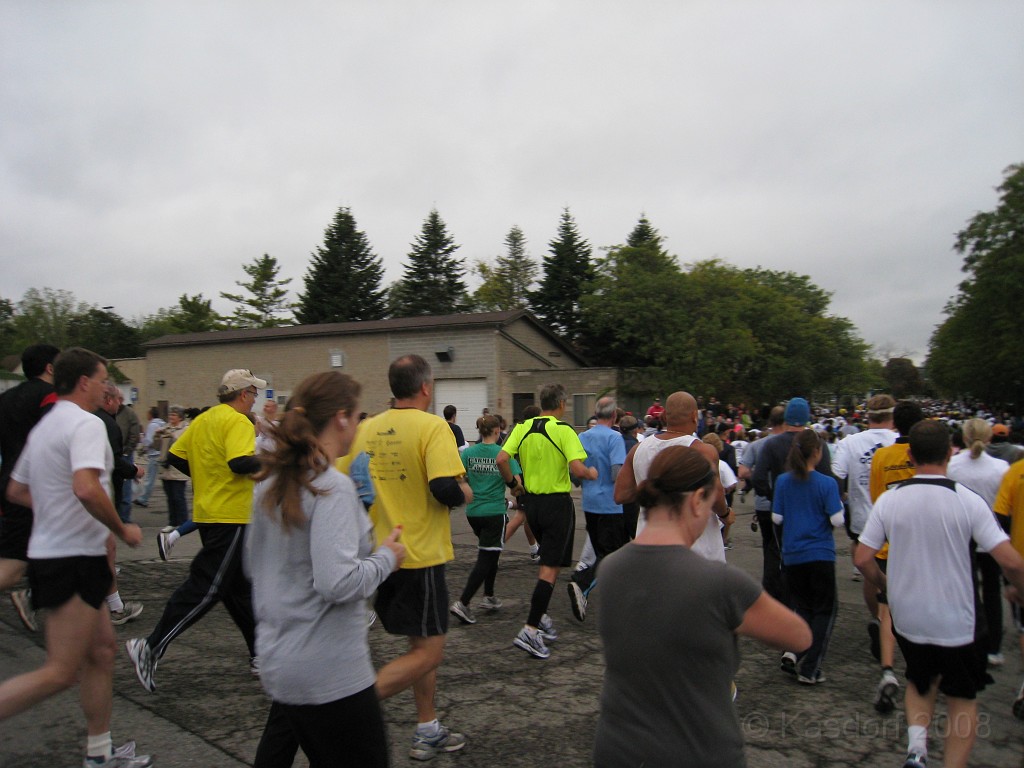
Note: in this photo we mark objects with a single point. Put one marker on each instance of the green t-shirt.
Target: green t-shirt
(485, 480)
(545, 462)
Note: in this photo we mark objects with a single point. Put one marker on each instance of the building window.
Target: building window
(582, 409)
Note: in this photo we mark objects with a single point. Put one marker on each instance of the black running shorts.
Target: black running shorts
(54, 581)
(962, 668)
(413, 602)
(15, 531)
(552, 518)
(489, 530)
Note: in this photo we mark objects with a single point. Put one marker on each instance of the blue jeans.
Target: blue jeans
(177, 507)
(150, 479)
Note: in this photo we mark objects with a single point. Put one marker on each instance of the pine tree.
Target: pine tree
(567, 277)
(432, 281)
(343, 282)
(506, 284)
(266, 300)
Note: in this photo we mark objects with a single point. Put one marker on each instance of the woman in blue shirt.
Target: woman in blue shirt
(806, 504)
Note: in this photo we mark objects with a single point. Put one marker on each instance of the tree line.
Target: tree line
(754, 335)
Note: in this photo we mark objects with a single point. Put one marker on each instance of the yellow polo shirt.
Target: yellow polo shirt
(212, 440)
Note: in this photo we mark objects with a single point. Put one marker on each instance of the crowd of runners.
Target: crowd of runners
(315, 523)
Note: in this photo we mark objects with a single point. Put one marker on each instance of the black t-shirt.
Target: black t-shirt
(21, 408)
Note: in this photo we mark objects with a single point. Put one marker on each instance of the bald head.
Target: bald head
(681, 411)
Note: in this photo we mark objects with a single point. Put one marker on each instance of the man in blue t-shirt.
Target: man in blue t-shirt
(605, 524)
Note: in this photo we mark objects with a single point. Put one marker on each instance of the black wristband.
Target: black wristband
(512, 483)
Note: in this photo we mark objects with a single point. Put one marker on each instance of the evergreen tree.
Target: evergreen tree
(267, 297)
(432, 281)
(506, 284)
(644, 235)
(343, 283)
(567, 276)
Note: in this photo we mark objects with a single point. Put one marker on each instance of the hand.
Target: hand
(518, 490)
(139, 472)
(1013, 595)
(397, 547)
(592, 474)
(131, 535)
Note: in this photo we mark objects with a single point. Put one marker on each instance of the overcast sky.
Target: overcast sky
(151, 149)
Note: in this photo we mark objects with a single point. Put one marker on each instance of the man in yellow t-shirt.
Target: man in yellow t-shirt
(1009, 508)
(217, 451)
(418, 476)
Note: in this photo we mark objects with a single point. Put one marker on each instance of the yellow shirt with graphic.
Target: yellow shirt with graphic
(1010, 503)
(889, 466)
(212, 440)
(407, 449)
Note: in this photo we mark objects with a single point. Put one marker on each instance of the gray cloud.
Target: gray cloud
(847, 141)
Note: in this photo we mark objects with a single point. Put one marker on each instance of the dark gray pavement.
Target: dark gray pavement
(514, 710)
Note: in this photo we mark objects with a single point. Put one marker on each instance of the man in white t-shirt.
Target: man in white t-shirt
(64, 476)
(929, 522)
(852, 464)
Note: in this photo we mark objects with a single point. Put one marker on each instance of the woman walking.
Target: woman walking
(313, 565)
(806, 504)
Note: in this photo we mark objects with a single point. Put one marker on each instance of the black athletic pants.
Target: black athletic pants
(215, 575)
(771, 576)
(348, 731)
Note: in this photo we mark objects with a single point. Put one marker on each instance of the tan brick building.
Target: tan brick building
(497, 360)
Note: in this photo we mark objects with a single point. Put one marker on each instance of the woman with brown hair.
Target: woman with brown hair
(312, 563)
(669, 622)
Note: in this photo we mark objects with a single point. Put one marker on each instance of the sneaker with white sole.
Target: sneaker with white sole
(535, 551)
(22, 600)
(254, 666)
(119, 761)
(530, 640)
(1018, 704)
(547, 629)
(490, 603)
(462, 613)
(164, 545)
(888, 688)
(426, 747)
(142, 658)
(916, 760)
(131, 610)
(578, 601)
(788, 663)
(996, 659)
(819, 677)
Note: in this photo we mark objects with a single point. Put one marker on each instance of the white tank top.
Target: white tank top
(710, 545)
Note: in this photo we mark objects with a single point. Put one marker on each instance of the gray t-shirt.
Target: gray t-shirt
(309, 587)
(667, 623)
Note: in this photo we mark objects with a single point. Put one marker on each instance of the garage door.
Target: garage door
(469, 396)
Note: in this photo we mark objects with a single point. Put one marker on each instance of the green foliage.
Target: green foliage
(194, 314)
(976, 350)
(567, 274)
(903, 378)
(266, 303)
(105, 333)
(44, 316)
(506, 285)
(432, 282)
(712, 329)
(343, 282)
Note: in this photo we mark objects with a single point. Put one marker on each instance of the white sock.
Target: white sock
(99, 746)
(429, 729)
(173, 536)
(114, 602)
(534, 549)
(917, 739)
